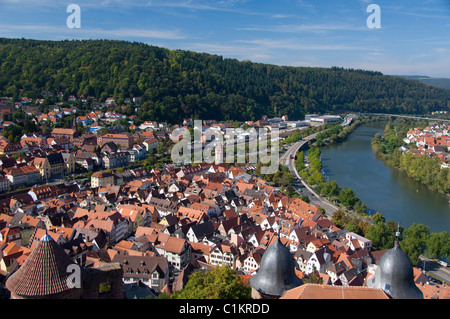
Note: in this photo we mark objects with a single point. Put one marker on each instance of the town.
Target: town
(84, 188)
(433, 141)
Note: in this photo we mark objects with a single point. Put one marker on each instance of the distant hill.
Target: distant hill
(176, 84)
(438, 82)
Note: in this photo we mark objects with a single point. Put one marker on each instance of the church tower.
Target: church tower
(218, 159)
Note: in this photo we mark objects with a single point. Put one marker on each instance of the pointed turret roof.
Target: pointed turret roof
(45, 271)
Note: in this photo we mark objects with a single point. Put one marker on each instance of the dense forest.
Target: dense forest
(439, 82)
(177, 84)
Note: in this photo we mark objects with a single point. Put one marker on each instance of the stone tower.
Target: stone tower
(49, 273)
(44, 274)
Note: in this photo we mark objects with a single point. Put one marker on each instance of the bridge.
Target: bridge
(407, 116)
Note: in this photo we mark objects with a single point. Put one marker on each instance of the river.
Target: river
(352, 164)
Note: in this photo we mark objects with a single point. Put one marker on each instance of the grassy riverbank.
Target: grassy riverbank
(423, 169)
(417, 239)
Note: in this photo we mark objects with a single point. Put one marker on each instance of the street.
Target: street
(288, 159)
(434, 269)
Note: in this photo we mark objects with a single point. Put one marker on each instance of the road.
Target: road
(288, 160)
(408, 116)
(434, 269)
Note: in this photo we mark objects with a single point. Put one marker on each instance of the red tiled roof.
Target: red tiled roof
(314, 291)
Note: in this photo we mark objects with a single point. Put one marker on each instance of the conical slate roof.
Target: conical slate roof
(276, 272)
(395, 275)
(44, 272)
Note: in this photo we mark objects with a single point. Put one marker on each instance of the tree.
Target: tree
(177, 84)
(313, 278)
(347, 197)
(352, 226)
(415, 241)
(438, 245)
(378, 217)
(330, 188)
(217, 283)
(340, 219)
(360, 207)
(380, 235)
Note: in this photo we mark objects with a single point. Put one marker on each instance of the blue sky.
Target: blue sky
(414, 38)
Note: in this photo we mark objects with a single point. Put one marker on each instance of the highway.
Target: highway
(408, 116)
(433, 268)
(288, 160)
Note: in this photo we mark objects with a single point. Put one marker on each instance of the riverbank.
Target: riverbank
(352, 165)
(352, 212)
(391, 149)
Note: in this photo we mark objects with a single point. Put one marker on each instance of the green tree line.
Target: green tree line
(176, 84)
(423, 169)
(415, 240)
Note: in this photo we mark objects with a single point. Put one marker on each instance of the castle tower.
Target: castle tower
(45, 274)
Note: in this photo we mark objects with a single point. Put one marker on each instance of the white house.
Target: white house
(364, 243)
(177, 252)
(252, 262)
(320, 260)
(223, 255)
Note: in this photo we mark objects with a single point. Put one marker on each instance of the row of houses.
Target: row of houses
(161, 227)
(433, 141)
(37, 159)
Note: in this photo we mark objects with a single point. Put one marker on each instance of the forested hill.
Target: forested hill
(177, 84)
(439, 82)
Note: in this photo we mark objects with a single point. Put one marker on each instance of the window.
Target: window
(104, 287)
